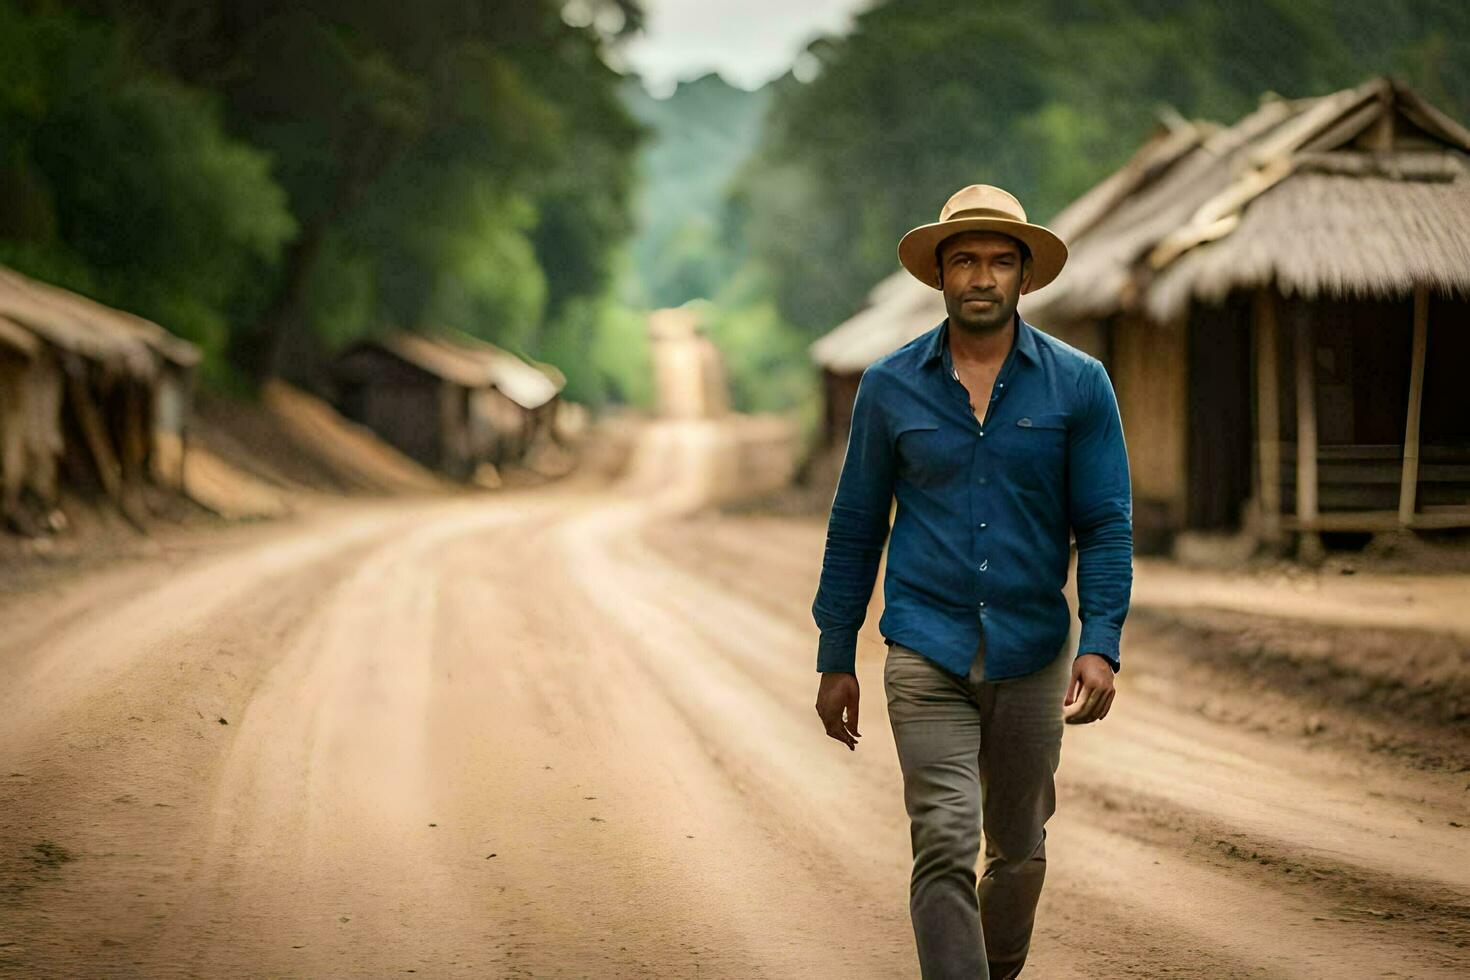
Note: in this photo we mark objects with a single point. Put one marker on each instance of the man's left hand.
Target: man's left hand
(1090, 694)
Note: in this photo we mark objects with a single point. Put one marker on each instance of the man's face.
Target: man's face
(983, 276)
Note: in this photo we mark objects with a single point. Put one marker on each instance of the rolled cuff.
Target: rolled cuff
(1101, 639)
(837, 651)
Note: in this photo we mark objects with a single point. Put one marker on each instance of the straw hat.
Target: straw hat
(981, 207)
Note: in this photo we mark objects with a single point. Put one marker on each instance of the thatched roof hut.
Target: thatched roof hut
(83, 382)
(447, 399)
(1307, 256)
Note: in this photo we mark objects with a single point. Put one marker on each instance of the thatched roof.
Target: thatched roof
(1365, 191)
(121, 342)
(473, 363)
(898, 309)
(18, 340)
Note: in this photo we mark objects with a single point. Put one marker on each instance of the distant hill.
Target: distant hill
(701, 134)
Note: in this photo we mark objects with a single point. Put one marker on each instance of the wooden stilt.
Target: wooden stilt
(94, 431)
(136, 422)
(134, 455)
(1409, 484)
(1268, 418)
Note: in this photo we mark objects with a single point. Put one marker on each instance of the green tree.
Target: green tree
(442, 159)
(122, 183)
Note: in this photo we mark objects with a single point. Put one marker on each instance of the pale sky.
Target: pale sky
(749, 42)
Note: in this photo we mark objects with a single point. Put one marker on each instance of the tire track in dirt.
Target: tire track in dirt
(571, 734)
(1404, 693)
(1119, 779)
(868, 784)
(111, 727)
(1429, 911)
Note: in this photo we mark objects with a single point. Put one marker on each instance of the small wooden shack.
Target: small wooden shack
(1284, 310)
(87, 393)
(448, 400)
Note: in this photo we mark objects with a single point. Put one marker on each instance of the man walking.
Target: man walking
(1000, 443)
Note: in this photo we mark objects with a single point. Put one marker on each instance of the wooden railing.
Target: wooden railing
(1359, 487)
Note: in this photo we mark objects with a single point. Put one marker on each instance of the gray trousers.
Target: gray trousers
(968, 746)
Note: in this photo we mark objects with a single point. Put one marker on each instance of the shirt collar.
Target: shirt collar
(938, 346)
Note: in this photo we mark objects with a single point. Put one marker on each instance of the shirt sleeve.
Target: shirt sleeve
(1100, 504)
(856, 532)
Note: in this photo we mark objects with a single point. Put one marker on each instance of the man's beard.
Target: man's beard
(993, 319)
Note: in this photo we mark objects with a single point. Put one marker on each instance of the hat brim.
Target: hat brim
(916, 249)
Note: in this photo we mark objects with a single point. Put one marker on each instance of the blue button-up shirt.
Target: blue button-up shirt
(986, 510)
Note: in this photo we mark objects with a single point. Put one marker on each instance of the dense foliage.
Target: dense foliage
(700, 136)
(272, 179)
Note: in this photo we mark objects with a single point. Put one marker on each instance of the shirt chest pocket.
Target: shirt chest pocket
(1033, 450)
(930, 455)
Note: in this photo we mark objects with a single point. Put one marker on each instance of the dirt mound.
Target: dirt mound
(216, 485)
(299, 442)
(1401, 691)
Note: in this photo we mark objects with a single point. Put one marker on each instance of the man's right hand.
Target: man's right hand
(837, 693)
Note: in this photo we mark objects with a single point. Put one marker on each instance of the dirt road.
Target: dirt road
(570, 733)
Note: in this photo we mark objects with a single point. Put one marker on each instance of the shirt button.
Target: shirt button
(982, 433)
(982, 605)
(983, 525)
(983, 481)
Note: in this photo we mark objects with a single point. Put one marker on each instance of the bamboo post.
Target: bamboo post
(94, 432)
(1310, 543)
(1268, 418)
(1409, 484)
(134, 446)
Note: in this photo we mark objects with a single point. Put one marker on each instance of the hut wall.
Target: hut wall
(13, 372)
(1221, 422)
(1446, 408)
(1090, 336)
(839, 391)
(171, 401)
(453, 450)
(541, 421)
(1148, 374)
(396, 400)
(406, 416)
(504, 426)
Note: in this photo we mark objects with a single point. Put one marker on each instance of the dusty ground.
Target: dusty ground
(570, 733)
